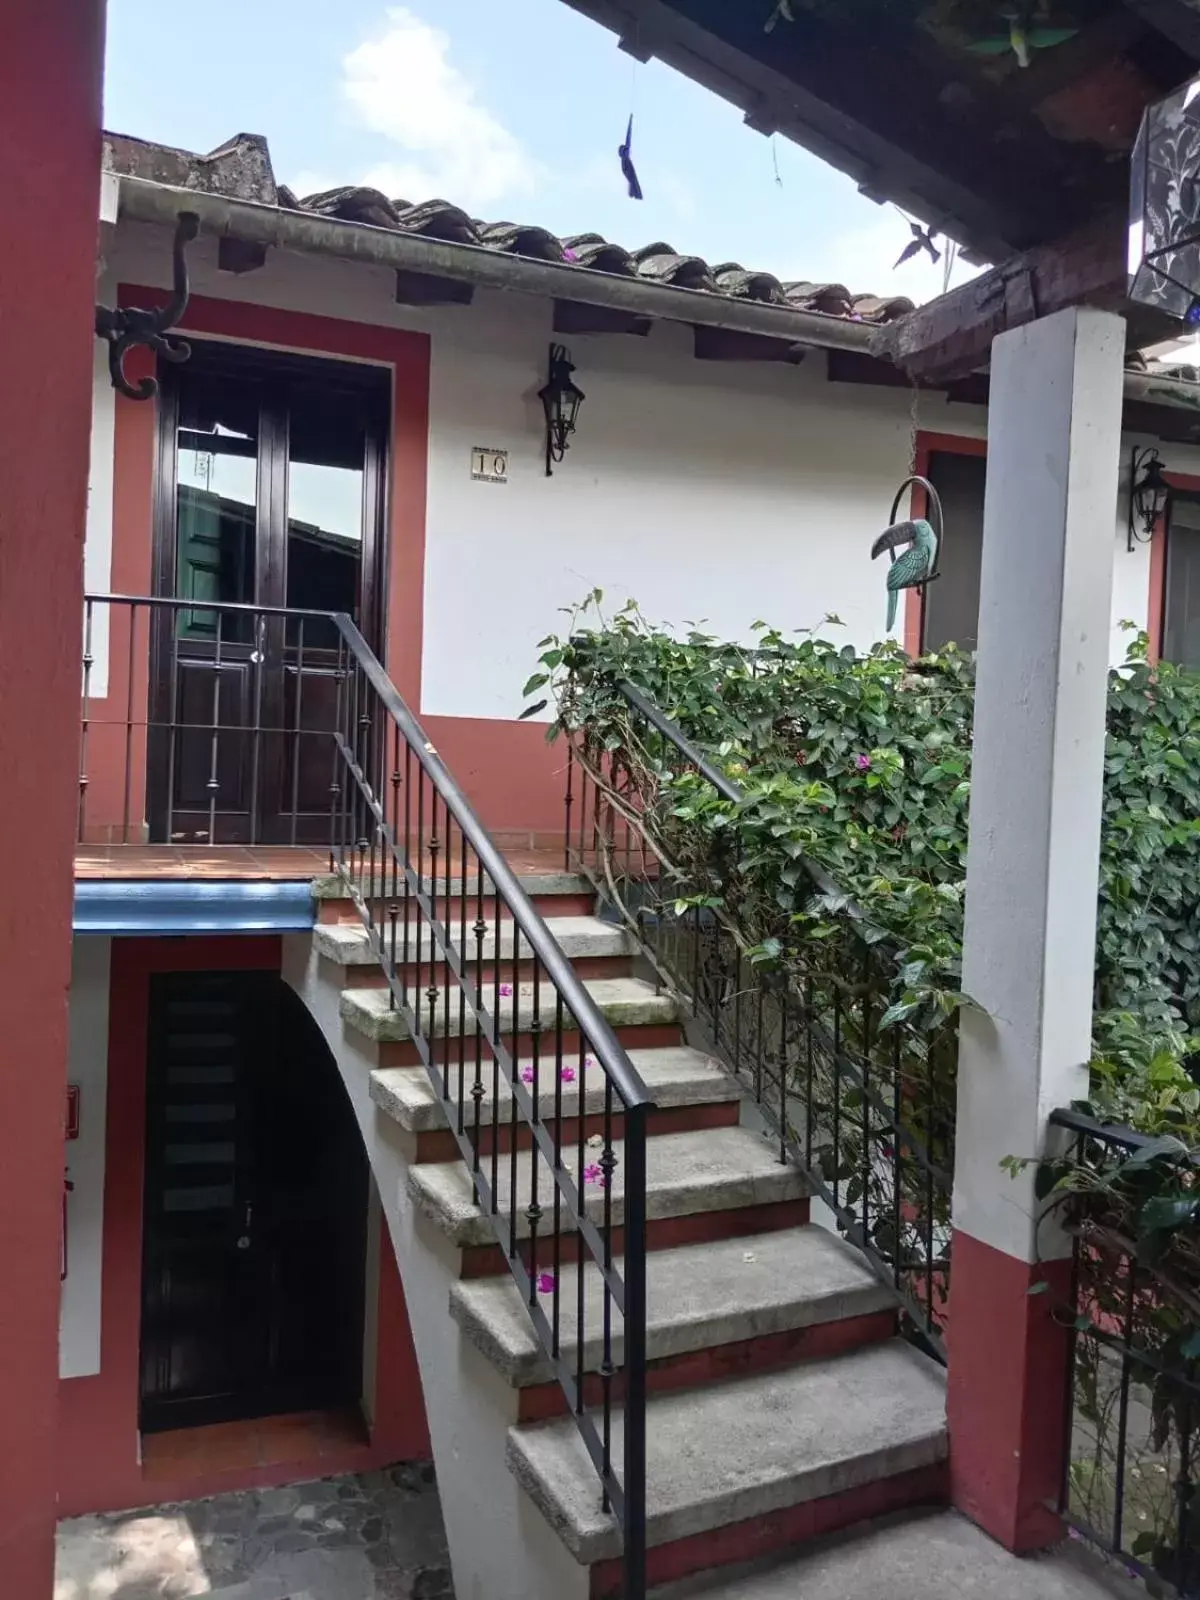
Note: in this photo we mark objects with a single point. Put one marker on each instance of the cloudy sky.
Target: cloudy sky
(511, 108)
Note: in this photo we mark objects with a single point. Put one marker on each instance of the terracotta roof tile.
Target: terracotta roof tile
(242, 168)
(658, 262)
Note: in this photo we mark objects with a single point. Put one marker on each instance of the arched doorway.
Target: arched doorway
(255, 1207)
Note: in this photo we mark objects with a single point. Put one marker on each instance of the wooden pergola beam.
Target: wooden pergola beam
(952, 336)
(1178, 20)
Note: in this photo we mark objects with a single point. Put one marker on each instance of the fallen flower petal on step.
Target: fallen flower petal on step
(567, 1074)
(505, 990)
(526, 1074)
(595, 1174)
(546, 1283)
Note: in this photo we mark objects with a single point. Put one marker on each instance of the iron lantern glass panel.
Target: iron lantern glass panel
(1164, 222)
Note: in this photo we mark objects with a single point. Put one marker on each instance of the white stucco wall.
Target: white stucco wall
(710, 491)
(87, 1066)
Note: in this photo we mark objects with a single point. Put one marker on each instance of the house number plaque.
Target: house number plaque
(489, 466)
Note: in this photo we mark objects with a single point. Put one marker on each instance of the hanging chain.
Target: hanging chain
(914, 427)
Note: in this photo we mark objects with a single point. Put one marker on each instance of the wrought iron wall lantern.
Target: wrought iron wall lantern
(1149, 495)
(126, 326)
(561, 399)
(1164, 211)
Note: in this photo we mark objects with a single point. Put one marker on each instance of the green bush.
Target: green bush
(861, 764)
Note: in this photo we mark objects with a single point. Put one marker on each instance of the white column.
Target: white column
(1054, 428)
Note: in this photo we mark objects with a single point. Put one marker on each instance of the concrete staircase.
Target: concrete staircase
(782, 1404)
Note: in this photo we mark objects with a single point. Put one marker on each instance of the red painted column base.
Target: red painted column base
(1006, 1393)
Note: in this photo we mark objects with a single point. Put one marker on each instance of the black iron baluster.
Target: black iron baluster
(431, 991)
(213, 783)
(448, 933)
(581, 1090)
(581, 1252)
(866, 1098)
(513, 1032)
(607, 1166)
(809, 1068)
(393, 866)
(929, 1226)
(493, 1045)
(533, 1212)
(423, 882)
(837, 1092)
(635, 1350)
(85, 718)
(568, 802)
(407, 911)
(170, 624)
(897, 1162)
(1184, 1489)
(463, 894)
(783, 1061)
(1123, 1412)
(297, 727)
(758, 1048)
(339, 724)
(477, 1091)
(131, 678)
(258, 627)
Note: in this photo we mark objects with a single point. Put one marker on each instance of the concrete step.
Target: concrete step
(331, 887)
(580, 938)
(935, 1556)
(738, 1452)
(698, 1296)
(676, 1076)
(709, 1170)
(625, 1002)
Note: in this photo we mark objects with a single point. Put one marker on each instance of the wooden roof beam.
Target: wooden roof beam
(1178, 20)
(952, 336)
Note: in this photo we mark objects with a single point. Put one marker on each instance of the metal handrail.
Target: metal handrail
(621, 1286)
(561, 973)
(705, 961)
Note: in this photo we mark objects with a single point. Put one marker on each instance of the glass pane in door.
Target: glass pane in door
(216, 490)
(327, 439)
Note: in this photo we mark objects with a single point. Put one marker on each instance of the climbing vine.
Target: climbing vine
(860, 764)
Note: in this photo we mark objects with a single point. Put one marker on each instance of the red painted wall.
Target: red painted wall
(50, 70)
(98, 1467)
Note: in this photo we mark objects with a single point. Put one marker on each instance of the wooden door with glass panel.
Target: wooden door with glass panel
(270, 497)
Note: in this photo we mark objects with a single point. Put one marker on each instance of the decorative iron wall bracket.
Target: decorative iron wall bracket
(126, 326)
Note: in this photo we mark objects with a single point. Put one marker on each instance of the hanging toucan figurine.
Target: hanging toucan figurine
(915, 567)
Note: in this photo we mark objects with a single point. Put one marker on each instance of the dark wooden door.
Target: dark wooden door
(270, 493)
(255, 1208)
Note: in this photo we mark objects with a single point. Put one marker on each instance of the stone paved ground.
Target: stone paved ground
(373, 1536)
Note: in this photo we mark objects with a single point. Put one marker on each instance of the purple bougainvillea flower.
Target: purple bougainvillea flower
(588, 1062)
(862, 762)
(546, 1283)
(505, 990)
(526, 1074)
(567, 1074)
(595, 1174)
